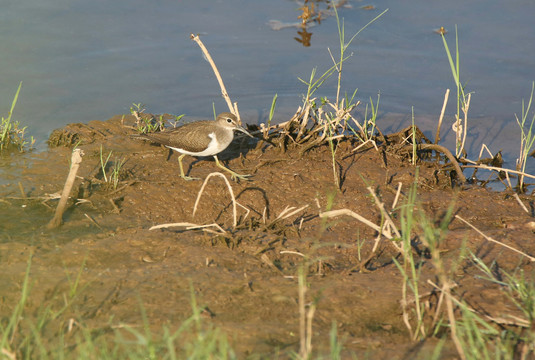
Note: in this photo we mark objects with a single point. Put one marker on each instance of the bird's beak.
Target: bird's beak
(240, 128)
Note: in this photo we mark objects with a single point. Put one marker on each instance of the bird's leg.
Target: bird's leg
(233, 175)
(182, 175)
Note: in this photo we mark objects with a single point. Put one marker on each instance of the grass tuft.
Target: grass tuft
(463, 100)
(111, 178)
(527, 139)
(12, 135)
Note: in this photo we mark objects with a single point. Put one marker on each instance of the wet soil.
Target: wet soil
(246, 277)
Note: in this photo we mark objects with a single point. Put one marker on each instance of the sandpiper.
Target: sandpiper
(200, 138)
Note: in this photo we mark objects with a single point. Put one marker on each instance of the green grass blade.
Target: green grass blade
(272, 110)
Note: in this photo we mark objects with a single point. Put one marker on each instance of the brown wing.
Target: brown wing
(191, 137)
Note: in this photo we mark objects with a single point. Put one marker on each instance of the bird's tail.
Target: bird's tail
(141, 137)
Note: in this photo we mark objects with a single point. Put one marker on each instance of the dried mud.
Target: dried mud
(248, 277)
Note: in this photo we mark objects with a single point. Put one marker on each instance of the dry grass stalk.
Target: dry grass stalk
(347, 212)
(361, 128)
(306, 315)
(364, 143)
(508, 180)
(398, 192)
(247, 211)
(304, 120)
(336, 137)
(235, 222)
(388, 220)
(483, 148)
(76, 160)
(93, 221)
(451, 316)
(191, 226)
(22, 192)
(232, 107)
(282, 125)
(521, 203)
(478, 165)
(465, 127)
(309, 318)
(137, 115)
(446, 96)
(405, 302)
(381, 230)
(439, 305)
(531, 258)
(291, 252)
(266, 260)
(460, 127)
(447, 285)
(386, 225)
(487, 167)
(286, 213)
(8, 354)
(404, 306)
(511, 319)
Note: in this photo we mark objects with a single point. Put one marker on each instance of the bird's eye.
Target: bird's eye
(229, 120)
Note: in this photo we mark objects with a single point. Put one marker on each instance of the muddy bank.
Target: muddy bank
(246, 275)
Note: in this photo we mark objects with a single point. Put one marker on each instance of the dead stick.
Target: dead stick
(233, 109)
(76, 159)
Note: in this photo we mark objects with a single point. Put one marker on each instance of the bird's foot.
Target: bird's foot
(235, 176)
(189, 178)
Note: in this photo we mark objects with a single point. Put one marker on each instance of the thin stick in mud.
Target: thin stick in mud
(232, 107)
(76, 160)
(446, 96)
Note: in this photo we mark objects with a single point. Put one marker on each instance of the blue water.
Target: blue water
(84, 60)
